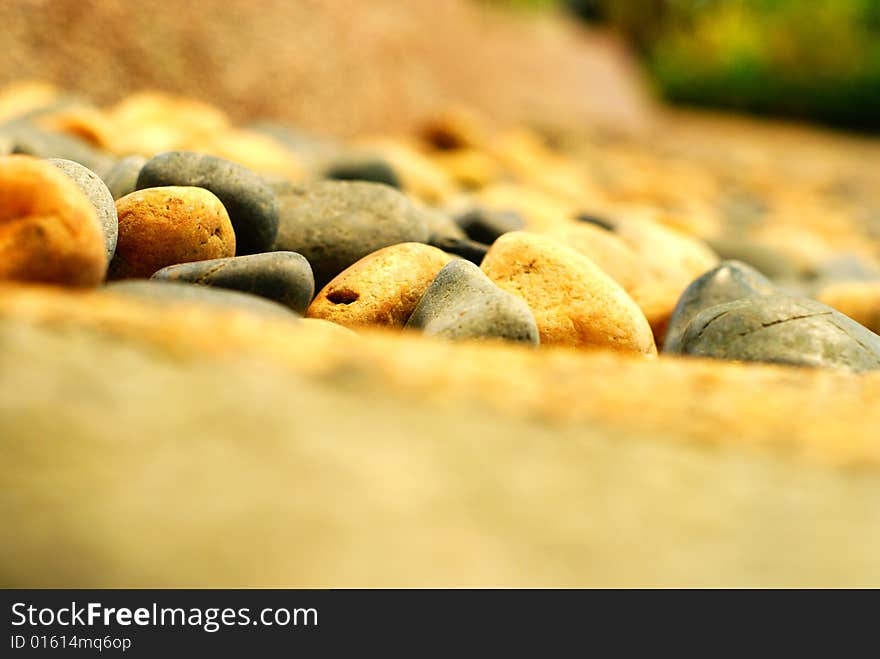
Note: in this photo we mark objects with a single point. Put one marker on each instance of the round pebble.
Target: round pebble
(729, 281)
(486, 226)
(374, 170)
(49, 230)
(284, 277)
(164, 226)
(469, 250)
(382, 288)
(782, 330)
(95, 189)
(251, 204)
(463, 303)
(574, 301)
(335, 223)
(121, 179)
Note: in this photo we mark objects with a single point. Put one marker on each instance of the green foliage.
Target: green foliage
(818, 59)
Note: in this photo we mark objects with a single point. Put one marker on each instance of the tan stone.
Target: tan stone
(574, 301)
(671, 257)
(148, 123)
(86, 122)
(469, 168)
(382, 288)
(860, 300)
(49, 232)
(257, 152)
(540, 209)
(163, 226)
(603, 248)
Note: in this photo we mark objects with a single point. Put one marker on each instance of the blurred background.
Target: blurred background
(345, 67)
(817, 60)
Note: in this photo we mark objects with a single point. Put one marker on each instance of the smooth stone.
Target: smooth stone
(485, 226)
(603, 223)
(28, 139)
(99, 196)
(336, 223)
(783, 330)
(122, 177)
(463, 303)
(469, 250)
(165, 226)
(382, 288)
(285, 277)
(251, 204)
(846, 267)
(768, 261)
(49, 230)
(605, 249)
(171, 292)
(374, 170)
(441, 225)
(574, 302)
(729, 281)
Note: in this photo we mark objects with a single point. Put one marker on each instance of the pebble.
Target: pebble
(729, 281)
(485, 225)
(99, 196)
(463, 303)
(251, 204)
(783, 330)
(30, 140)
(336, 223)
(573, 300)
(169, 292)
(382, 288)
(441, 224)
(121, 179)
(374, 170)
(605, 249)
(165, 226)
(49, 230)
(469, 250)
(768, 261)
(285, 277)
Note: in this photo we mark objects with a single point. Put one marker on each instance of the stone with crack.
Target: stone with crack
(729, 281)
(783, 330)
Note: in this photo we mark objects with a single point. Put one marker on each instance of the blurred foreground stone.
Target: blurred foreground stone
(197, 447)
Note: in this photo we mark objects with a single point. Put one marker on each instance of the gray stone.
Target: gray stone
(596, 220)
(252, 206)
(93, 187)
(335, 223)
(728, 281)
(285, 277)
(122, 177)
(463, 303)
(441, 225)
(484, 225)
(170, 292)
(783, 330)
(463, 247)
(768, 261)
(30, 140)
(375, 170)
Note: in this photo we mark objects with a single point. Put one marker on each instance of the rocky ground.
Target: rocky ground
(481, 352)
